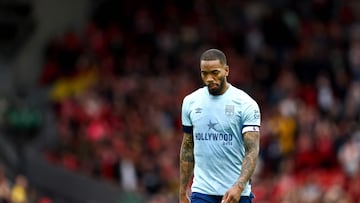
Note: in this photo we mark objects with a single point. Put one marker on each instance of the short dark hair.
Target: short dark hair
(214, 54)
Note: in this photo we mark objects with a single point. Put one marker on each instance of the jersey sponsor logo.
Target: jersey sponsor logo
(256, 114)
(218, 135)
(229, 110)
(227, 137)
(212, 125)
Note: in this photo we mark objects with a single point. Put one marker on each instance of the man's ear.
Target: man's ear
(227, 69)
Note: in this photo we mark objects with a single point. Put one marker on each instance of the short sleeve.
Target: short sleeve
(185, 112)
(251, 114)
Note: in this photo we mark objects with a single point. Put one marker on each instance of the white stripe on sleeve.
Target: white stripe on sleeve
(250, 129)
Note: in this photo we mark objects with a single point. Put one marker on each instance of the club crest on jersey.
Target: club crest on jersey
(229, 110)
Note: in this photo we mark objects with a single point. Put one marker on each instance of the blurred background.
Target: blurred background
(91, 92)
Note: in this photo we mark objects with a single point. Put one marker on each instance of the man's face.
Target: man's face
(214, 76)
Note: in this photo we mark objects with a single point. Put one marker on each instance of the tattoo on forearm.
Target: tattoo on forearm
(186, 160)
(187, 147)
(251, 142)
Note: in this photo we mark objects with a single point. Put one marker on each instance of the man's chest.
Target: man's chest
(217, 116)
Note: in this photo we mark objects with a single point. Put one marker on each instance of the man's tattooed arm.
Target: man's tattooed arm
(251, 142)
(186, 162)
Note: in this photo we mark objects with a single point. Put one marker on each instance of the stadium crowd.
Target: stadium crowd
(117, 87)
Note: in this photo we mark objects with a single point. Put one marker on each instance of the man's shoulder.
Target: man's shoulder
(242, 96)
(196, 93)
(240, 93)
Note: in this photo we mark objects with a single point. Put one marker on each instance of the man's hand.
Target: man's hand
(232, 195)
(251, 144)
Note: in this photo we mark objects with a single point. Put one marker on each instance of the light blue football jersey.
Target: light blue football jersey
(217, 123)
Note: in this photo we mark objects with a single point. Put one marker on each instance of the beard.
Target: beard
(217, 89)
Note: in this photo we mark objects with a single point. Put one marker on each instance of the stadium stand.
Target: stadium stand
(115, 90)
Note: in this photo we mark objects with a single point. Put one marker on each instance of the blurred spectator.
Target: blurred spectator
(5, 188)
(354, 51)
(44, 200)
(349, 156)
(353, 188)
(309, 191)
(22, 120)
(19, 191)
(4, 105)
(285, 187)
(337, 194)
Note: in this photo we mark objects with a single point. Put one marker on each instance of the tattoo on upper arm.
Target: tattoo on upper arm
(251, 142)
